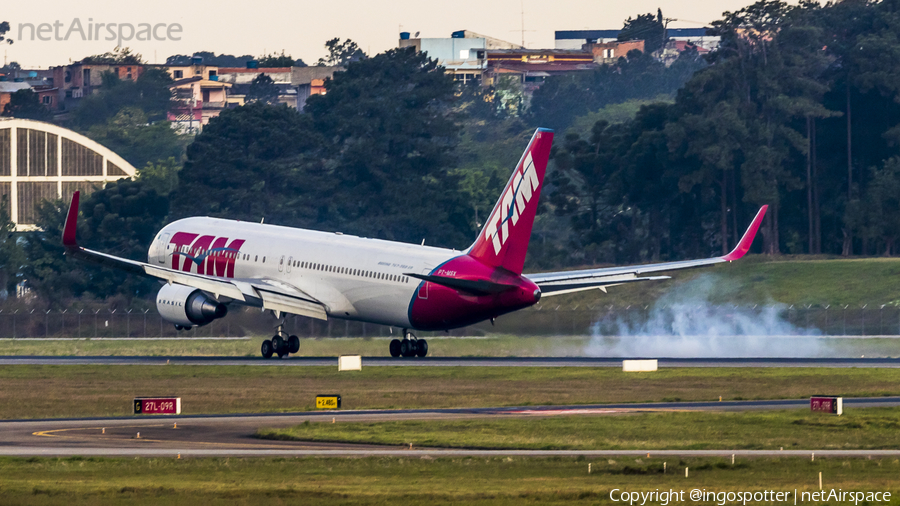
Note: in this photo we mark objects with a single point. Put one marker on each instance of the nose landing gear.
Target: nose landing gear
(407, 347)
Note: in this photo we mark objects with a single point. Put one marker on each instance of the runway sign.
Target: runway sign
(157, 405)
(328, 401)
(350, 363)
(827, 404)
(639, 365)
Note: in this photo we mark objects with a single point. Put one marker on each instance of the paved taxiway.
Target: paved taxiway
(232, 435)
(457, 361)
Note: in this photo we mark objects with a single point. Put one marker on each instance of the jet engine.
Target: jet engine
(186, 306)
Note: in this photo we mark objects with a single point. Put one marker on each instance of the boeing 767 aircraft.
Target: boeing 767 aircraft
(210, 263)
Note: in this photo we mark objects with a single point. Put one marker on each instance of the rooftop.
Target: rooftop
(612, 34)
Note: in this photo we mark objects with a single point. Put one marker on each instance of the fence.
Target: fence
(542, 320)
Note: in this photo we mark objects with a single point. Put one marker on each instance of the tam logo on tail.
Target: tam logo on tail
(524, 185)
(504, 240)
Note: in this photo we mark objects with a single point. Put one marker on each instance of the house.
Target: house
(575, 39)
(8, 88)
(195, 69)
(79, 79)
(533, 66)
(610, 52)
(197, 101)
(309, 81)
(242, 77)
(463, 54)
(47, 94)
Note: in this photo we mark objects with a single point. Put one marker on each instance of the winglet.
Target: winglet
(68, 237)
(743, 246)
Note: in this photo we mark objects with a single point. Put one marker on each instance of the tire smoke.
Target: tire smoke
(684, 323)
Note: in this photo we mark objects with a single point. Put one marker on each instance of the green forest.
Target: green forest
(799, 108)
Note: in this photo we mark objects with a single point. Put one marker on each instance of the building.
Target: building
(195, 69)
(40, 161)
(533, 66)
(34, 77)
(575, 39)
(242, 77)
(309, 81)
(464, 54)
(197, 101)
(79, 79)
(610, 52)
(47, 95)
(8, 88)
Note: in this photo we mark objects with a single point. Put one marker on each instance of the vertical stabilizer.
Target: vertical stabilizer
(503, 241)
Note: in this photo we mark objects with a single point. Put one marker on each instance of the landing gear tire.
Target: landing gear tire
(293, 344)
(266, 349)
(406, 348)
(395, 348)
(278, 345)
(421, 348)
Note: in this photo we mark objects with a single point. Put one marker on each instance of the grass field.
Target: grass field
(402, 481)
(870, 428)
(32, 391)
(491, 346)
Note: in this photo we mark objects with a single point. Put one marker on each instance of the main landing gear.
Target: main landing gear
(280, 344)
(414, 347)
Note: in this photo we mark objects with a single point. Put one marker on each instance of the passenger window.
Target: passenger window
(256, 258)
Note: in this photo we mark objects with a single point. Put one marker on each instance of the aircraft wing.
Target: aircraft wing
(557, 283)
(257, 292)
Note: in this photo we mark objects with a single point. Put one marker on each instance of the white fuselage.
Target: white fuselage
(353, 277)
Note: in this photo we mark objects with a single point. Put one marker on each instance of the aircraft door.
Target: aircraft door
(290, 263)
(160, 248)
(423, 290)
(165, 248)
(281, 264)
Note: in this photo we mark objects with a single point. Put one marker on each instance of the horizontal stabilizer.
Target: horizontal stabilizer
(475, 287)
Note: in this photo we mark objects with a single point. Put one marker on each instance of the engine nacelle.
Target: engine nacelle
(187, 306)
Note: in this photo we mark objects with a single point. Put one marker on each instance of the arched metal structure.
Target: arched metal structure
(41, 161)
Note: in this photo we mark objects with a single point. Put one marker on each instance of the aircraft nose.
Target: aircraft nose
(537, 294)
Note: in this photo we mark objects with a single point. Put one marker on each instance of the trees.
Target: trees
(129, 135)
(341, 53)
(150, 93)
(372, 156)
(279, 60)
(123, 217)
(4, 28)
(390, 131)
(119, 55)
(766, 123)
(25, 104)
(253, 162)
(263, 89)
(646, 27)
(638, 76)
(210, 58)
(11, 256)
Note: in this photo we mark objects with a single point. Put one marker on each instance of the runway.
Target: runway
(233, 435)
(454, 361)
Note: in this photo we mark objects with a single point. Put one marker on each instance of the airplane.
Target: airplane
(208, 264)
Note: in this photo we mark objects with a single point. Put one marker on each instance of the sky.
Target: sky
(301, 28)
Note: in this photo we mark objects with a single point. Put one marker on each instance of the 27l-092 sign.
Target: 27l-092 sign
(157, 405)
(827, 404)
